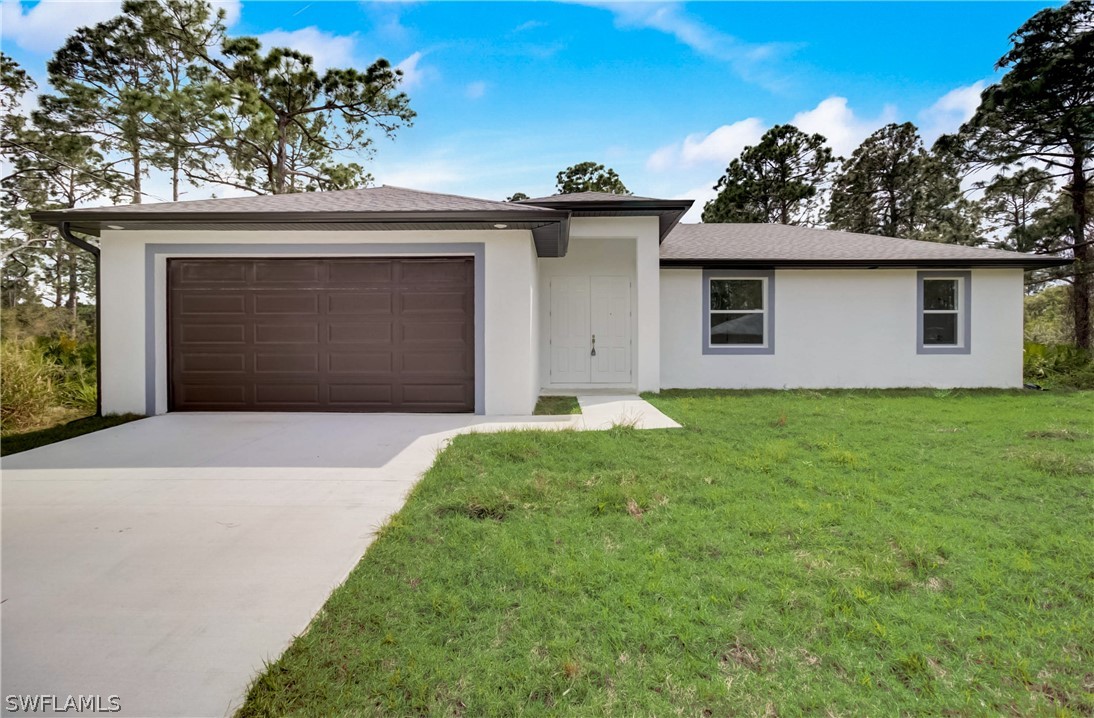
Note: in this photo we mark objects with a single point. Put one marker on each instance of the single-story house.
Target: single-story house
(390, 299)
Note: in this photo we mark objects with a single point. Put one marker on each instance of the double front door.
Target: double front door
(590, 328)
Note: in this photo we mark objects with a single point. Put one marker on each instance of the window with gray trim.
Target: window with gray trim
(737, 312)
(943, 312)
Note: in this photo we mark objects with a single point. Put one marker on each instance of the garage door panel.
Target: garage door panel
(360, 363)
(433, 302)
(217, 303)
(377, 302)
(283, 393)
(286, 303)
(270, 333)
(219, 363)
(394, 334)
(361, 273)
(213, 334)
(380, 396)
(218, 272)
(370, 332)
(287, 363)
(289, 271)
(214, 395)
(453, 332)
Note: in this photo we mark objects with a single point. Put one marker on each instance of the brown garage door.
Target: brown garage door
(321, 334)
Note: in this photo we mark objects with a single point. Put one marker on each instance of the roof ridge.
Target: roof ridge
(441, 194)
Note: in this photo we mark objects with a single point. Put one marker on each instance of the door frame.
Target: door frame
(156, 317)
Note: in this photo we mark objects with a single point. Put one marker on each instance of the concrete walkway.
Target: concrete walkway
(165, 560)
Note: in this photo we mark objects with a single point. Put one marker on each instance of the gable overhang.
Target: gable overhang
(669, 212)
(1027, 263)
(550, 228)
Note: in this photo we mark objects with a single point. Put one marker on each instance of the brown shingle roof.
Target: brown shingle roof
(371, 199)
(787, 245)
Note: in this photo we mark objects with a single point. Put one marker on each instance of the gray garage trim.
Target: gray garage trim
(964, 311)
(475, 249)
(769, 315)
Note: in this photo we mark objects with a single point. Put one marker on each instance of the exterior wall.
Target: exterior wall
(849, 328)
(134, 297)
(616, 246)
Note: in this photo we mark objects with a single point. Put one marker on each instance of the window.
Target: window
(943, 312)
(737, 312)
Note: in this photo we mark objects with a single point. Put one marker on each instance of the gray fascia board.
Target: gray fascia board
(986, 263)
(85, 217)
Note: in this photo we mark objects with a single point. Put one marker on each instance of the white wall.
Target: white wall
(845, 329)
(617, 246)
(511, 356)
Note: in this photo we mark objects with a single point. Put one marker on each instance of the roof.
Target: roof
(780, 245)
(588, 197)
(382, 207)
(605, 204)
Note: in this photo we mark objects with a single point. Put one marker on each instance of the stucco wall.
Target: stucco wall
(626, 246)
(845, 329)
(510, 357)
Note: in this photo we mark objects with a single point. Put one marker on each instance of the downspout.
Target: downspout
(66, 233)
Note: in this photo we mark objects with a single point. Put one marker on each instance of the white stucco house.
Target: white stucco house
(390, 299)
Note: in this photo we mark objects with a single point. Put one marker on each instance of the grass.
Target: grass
(557, 405)
(785, 553)
(14, 443)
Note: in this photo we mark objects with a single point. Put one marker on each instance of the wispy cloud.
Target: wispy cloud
(43, 27)
(750, 60)
(529, 25)
(475, 90)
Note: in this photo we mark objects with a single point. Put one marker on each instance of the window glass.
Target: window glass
(939, 294)
(736, 294)
(940, 329)
(732, 328)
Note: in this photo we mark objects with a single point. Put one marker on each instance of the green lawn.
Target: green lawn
(14, 443)
(785, 553)
(556, 405)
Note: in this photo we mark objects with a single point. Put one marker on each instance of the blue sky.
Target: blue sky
(507, 94)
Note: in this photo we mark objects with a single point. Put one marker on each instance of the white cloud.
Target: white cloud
(950, 111)
(232, 10)
(327, 49)
(716, 148)
(414, 73)
(529, 25)
(840, 125)
(701, 194)
(475, 90)
(43, 27)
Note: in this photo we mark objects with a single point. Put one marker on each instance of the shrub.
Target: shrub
(27, 386)
(1059, 364)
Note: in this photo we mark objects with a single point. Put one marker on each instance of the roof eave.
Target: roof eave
(984, 263)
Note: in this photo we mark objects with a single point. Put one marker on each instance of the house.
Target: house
(390, 299)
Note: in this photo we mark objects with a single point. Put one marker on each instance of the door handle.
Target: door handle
(593, 352)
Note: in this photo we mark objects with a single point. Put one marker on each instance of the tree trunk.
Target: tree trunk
(282, 150)
(175, 174)
(1081, 289)
(137, 168)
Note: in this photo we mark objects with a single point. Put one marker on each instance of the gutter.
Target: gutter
(66, 233)
(1030, 262)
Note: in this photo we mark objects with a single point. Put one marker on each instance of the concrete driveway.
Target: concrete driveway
(165, 560)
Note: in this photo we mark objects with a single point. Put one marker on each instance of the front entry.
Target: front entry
(590, 330)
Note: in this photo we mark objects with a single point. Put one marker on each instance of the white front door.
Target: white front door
(590, 338)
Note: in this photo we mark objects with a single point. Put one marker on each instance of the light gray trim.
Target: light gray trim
(476, 249)
(769, 315)
(964, 311)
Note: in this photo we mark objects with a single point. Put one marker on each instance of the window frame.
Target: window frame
(963, 313)
(768, 288)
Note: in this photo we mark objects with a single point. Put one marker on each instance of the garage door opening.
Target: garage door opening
(321, 334)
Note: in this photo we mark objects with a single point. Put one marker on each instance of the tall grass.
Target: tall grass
(44, 380)
(1059, 365)
(27, 387)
